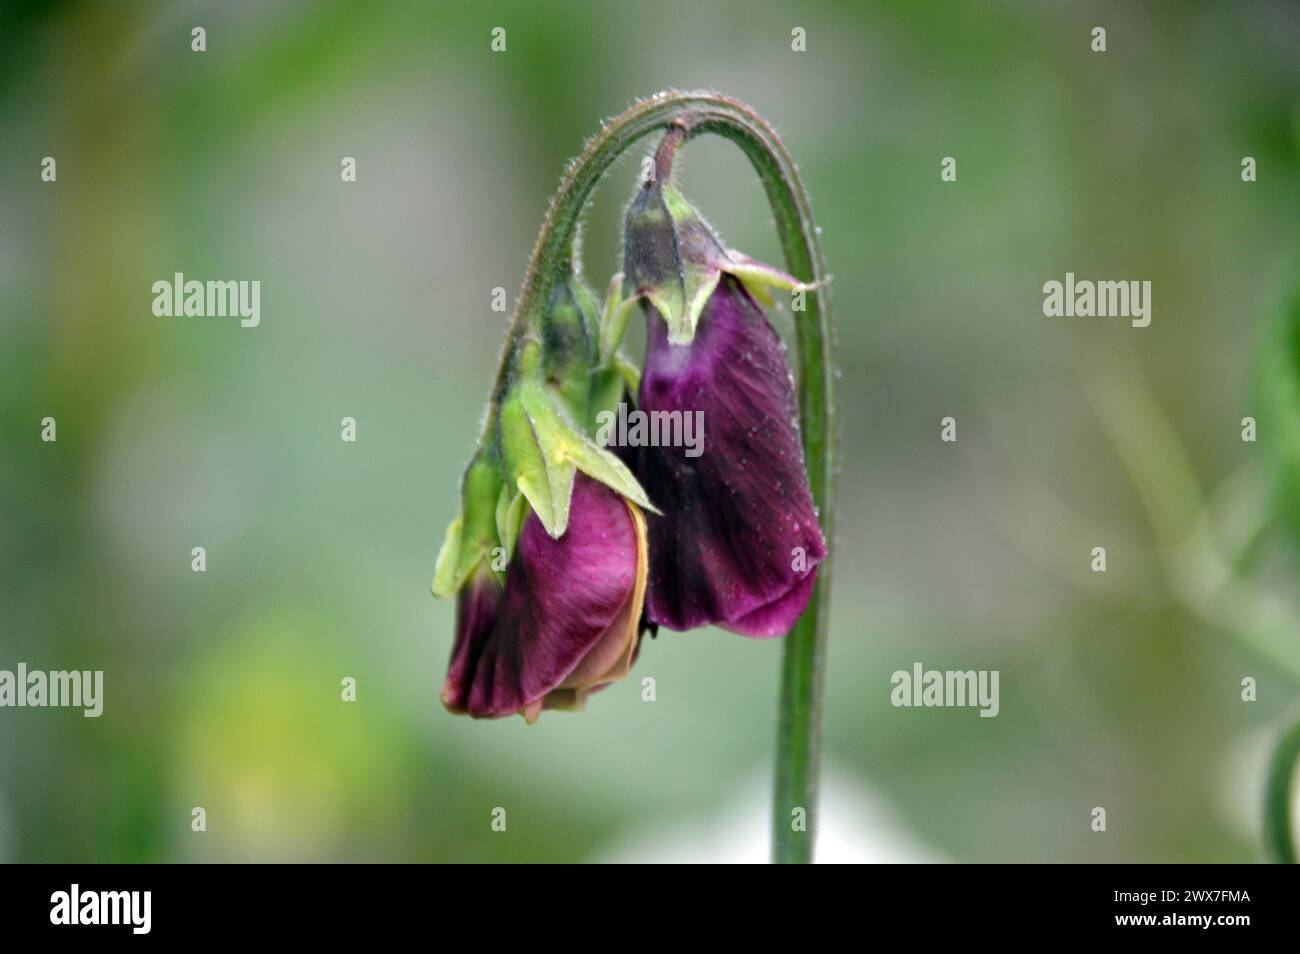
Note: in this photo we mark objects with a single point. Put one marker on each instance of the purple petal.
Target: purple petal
(738, 542)
(566, 620)
(476, 615)
(775, 618)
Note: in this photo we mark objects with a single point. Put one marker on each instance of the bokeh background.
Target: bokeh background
(1120, 690)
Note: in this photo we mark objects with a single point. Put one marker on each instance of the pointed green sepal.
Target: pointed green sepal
(614, 318)
(512, 508)
(532, 464)
(608, 390)
(472, 535)
(630, 373)
(543, 450)
(672, 258)
(445, 584)
(570, 340)
(759, 278)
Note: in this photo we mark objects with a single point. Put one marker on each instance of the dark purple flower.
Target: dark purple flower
(566, 622)
(738, 542)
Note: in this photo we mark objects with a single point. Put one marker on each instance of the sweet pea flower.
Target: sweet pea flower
(738, 541)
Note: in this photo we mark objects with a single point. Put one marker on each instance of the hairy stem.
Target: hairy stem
(687, 115)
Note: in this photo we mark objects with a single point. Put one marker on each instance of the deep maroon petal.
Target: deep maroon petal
(738, 542)
(776, 617)
(476, 615)
(560, 599)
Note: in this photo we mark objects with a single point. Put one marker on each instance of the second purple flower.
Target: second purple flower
(738, 541)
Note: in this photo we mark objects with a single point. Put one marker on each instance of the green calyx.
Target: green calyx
(570, 342)
(543, 447)
(564, 369)
(472, 539)
(673, 259)
(560, 383)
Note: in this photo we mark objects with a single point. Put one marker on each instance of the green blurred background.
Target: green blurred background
(1120, 690)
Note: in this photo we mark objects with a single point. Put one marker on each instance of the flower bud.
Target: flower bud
(565, 624)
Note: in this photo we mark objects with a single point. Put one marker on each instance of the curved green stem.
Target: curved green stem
(1278, 833)
(695, 113)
